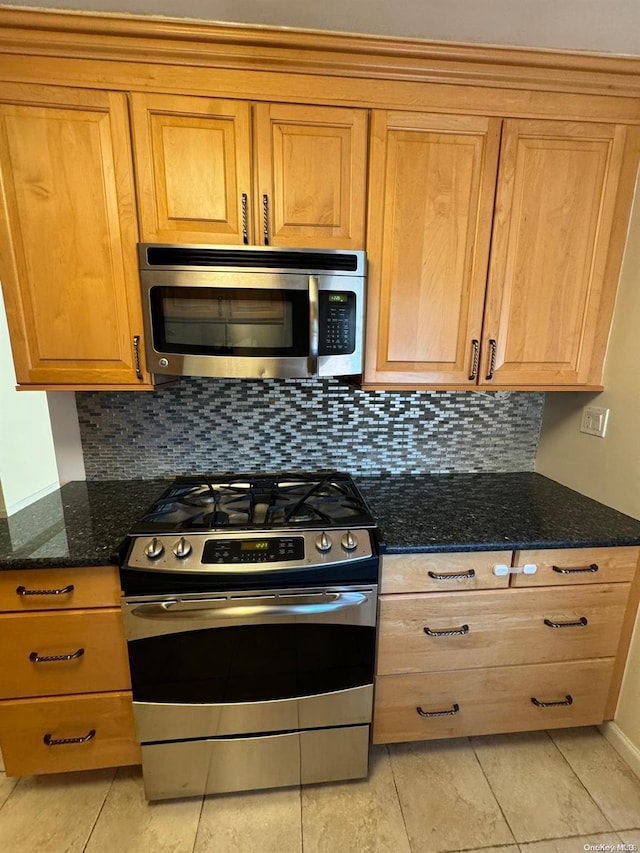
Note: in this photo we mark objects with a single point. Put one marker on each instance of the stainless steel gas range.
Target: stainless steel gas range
(250, 614)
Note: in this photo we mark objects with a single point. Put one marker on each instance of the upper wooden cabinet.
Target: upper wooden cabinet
(554, 212)
(430, 206)
(493, 271)
(67, 237)
(194, 160)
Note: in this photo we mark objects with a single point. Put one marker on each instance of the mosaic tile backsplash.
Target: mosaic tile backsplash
(200, 425)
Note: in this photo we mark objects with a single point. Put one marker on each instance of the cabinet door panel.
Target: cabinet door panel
(69, 234)
(431, 199)
(193, 165)
(312, 168)
(556, 194)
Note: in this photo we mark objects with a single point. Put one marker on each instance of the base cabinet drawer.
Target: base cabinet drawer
(47, 653)
(59, 589)
(465, 630)
(490, 701)
(563, 566)
(454, 572)
(57, 734)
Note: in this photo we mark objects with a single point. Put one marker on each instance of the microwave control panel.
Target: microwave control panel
(337, 309)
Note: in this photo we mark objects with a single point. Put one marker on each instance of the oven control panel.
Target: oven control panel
(210, 552)
(279, 549)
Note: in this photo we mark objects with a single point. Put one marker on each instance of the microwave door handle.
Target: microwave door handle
(314, 325)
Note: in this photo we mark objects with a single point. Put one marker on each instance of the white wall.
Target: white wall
(611, 26)
(27, 456)
(608, 469)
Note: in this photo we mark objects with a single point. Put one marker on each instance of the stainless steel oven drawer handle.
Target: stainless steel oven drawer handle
(314, 325)
(180, 610)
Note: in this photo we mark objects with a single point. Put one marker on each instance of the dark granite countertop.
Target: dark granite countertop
(82, 524)
(484, 512)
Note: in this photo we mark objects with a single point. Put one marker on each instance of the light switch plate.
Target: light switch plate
(594, 421)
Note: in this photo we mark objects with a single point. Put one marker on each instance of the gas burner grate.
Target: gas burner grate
(258, 501)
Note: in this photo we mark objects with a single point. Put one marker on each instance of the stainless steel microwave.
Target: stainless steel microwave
(252, 312)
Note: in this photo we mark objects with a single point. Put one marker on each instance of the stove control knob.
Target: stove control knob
(323, 543)
(182, 548)
(154, 549)
(349, 541)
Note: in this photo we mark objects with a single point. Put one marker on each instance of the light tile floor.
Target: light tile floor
(556, 792)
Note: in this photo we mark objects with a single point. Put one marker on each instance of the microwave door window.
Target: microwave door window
(230, 321)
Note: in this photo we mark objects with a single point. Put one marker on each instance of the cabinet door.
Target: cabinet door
(68, 236)
(193, 163)
(554, 212)
(311, 175)
(432, 185)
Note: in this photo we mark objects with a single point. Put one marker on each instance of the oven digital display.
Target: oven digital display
(278, 549)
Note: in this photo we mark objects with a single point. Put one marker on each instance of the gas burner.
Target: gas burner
(261, 501)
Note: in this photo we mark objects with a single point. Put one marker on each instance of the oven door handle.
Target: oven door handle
(214, 608)
(314, 325)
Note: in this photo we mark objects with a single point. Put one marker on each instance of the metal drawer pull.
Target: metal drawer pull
(49, 740)
(34, 657)
(568, 700)
(580, 570)
(461, 576)
(265, 219)
(245, 229)
(475, 348)
(22, 590)
(493, 348)
(581, 623)
(450, 713)
(136, 356)
(447, 632)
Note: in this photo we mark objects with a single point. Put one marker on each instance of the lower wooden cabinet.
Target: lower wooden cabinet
(48, 654)
(489, 701)
(426, 633)
(546, 650)
(60, 733)
(65, 697)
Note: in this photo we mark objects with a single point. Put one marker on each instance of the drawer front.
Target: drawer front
(59, 589)
(564, 566)
(25, 724)
(489, 701)
(443, 572)
(428, 633)
(90, 646)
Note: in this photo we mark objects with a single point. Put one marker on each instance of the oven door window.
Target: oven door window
(230, 321)
(251, 663)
